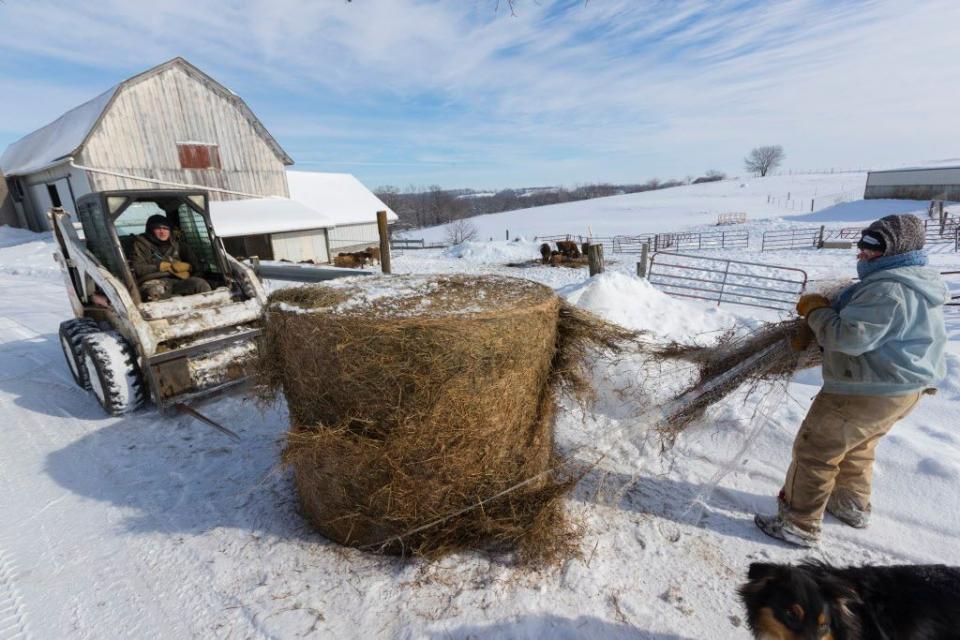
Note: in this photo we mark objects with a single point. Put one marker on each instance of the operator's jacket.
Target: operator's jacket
(889, 338)
(148, 253)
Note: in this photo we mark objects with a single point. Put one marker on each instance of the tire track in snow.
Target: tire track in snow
(13, 619)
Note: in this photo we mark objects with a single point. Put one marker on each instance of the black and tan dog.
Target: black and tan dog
(814, 601)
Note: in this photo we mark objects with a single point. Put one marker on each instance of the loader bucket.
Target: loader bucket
(201, 370)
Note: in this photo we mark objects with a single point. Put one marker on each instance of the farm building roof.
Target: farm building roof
(233, 218)
(339, 196)
(318, 200)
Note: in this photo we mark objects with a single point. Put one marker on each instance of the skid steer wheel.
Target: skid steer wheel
(115, 378)
(71, 340)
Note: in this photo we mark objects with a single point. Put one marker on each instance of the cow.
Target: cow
(568, 248)
(348, 261)
(545, 252)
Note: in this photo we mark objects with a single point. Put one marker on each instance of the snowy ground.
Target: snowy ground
(145, 526)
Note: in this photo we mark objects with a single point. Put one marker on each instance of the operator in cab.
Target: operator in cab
(163, 267)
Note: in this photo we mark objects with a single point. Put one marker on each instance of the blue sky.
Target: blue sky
(463, 94)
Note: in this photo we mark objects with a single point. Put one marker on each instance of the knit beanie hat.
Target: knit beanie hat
(157, 220)
(893, 235)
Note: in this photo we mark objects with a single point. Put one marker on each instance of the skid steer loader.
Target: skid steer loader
(126, 350)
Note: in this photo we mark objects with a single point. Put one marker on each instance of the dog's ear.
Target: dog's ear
(762, 570)
(842, 596)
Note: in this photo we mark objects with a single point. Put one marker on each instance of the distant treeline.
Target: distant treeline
(428, 206)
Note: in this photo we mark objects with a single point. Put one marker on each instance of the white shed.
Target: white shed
(327, 213)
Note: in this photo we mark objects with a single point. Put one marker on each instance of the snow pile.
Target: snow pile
(498, 251)
(26, 253)
(634, 303)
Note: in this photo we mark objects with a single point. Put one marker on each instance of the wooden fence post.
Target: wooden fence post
(384, 241)
(823, 228)
(642, 265)
(595, 258)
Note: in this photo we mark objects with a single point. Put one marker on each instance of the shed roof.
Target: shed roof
(339, 196)
(232, 218)
(65, 136)
(317, 201)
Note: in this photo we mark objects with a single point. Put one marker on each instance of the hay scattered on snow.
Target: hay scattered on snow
(419, 404)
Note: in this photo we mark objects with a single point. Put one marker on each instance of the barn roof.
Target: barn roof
(65, 136)
(317, 201)
(56, 141)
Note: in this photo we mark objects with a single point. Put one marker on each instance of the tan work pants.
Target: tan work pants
(835, 449)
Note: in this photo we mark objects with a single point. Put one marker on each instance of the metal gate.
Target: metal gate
(683, 241)
(733, 281)
(790, 239)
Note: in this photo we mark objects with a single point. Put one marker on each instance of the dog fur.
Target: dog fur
(815, 601)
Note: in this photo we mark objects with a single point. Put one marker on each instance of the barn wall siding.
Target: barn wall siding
(950, 192)
(300, 246)
(353, 236)
(139, 132)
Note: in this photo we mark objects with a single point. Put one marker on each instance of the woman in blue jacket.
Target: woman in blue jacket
(883, 345)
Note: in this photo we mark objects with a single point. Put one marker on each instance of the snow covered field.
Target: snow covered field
(150, 527)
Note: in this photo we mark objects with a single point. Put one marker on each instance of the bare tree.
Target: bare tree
(762, 159)
(461, 231)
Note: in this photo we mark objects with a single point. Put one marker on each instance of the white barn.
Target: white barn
(923, 183)
(173, 126)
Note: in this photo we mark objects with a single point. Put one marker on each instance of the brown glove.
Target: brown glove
(166, 266)
(804, 337)
(811, 301)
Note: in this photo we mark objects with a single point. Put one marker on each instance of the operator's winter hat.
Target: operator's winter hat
(893, 235)
(157, 220)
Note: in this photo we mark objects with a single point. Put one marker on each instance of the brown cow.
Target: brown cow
(347, 260)
(374, 254)
(545, 252)
(568, 248)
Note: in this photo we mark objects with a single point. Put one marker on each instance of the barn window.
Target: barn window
(197, 155)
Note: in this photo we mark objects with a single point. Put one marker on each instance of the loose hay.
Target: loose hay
(413, 401)
(777, 365)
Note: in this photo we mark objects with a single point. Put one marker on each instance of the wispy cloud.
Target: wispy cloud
(454, 92)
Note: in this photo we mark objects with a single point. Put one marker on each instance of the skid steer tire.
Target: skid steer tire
(115, 377)
(72, 333)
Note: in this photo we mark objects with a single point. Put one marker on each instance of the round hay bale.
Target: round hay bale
(412, 399)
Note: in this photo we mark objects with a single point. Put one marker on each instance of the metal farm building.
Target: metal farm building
(934, 183)
(173, 126)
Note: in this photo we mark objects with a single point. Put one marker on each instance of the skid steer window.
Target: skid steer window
(194, 230)
(133, 220)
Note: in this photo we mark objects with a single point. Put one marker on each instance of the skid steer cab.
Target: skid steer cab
(127, 350)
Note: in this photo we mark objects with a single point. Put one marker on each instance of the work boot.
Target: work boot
(777, 527)
(843, 506)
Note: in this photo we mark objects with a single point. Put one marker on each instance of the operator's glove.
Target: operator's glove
(804, 337)
(810, 302)
(166, 266)
(181, 270)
